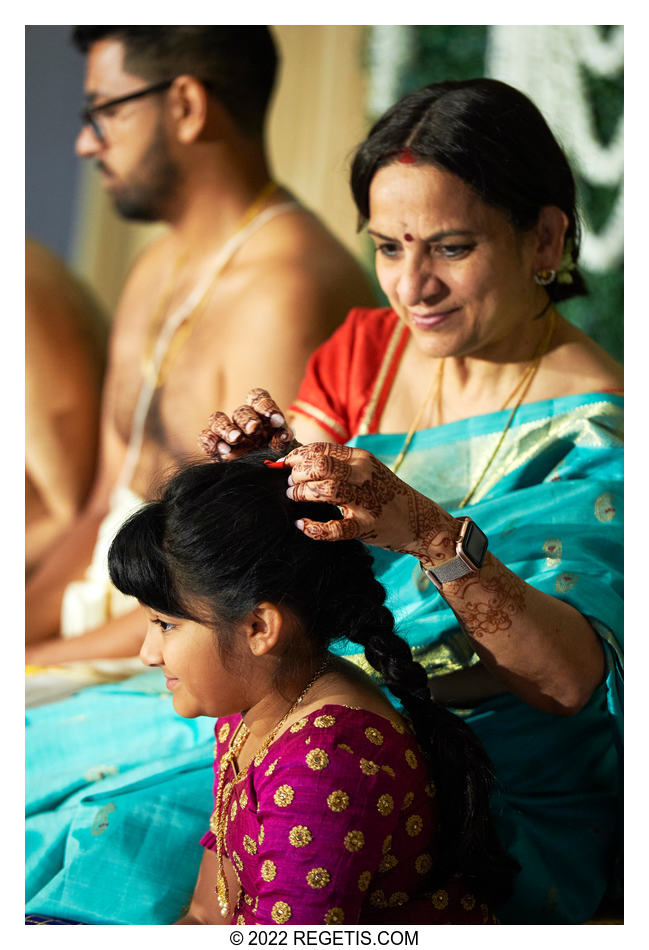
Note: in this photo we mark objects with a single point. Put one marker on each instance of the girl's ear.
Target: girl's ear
(263, 627)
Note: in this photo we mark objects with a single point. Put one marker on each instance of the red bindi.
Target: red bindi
(408, 237)
(406, 157)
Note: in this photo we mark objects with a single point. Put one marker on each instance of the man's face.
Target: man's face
(132, 153)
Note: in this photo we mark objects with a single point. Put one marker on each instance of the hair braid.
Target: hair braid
(467, 839)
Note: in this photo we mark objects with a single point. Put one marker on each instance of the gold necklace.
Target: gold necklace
(436, 384)
(219, 819)
(521, 387)
(181, 333)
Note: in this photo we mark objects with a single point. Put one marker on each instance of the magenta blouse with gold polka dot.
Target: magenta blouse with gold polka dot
(336, 825)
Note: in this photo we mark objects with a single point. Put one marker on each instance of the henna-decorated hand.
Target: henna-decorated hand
(376, 505)
(258, 424)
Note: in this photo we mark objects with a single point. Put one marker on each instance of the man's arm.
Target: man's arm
(72, 554)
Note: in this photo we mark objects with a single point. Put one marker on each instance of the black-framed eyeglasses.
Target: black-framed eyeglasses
(90, 114)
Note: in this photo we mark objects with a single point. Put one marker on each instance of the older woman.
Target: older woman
(500, 540)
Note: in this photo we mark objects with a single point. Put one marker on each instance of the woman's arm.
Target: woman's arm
(543, 649)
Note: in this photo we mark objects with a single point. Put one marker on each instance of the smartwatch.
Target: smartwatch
(470, 549)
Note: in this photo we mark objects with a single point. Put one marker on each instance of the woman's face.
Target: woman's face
(453, 268)
(188, 655)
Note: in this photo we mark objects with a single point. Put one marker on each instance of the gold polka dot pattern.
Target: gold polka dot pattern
(236, 860)
(345, 748)
(440, 899)
(377, 899)
(408, 799)
(398, 899)
(243, 799)
(299, 725)
(364, 879)
(387, 844)
(338, 800)
(389, 770)
(281, 912)
(335, 915)
(283, 796)
(317, 759)
(299, 836)
(262, 834)
(468, 901)
(323, 722)
(271, 768)
(385, 804)
(354, 840)
(374, 735)
(397, 726)
(387, 863)
(368, 767)
(318, 877)
(250, 844)
(268, 870)
(423, 863)
(414, 825)
(224, 731)
(411, 759)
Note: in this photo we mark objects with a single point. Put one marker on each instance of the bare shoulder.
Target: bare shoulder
(297, 256)
(581, 363)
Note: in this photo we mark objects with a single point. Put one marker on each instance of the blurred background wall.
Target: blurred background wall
(334, 81)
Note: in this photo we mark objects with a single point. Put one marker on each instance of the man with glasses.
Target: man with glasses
(238, 293)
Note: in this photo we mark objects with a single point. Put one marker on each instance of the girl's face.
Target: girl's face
(453, 268)
(188, 655)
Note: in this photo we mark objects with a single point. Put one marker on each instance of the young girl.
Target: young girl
(330, 806)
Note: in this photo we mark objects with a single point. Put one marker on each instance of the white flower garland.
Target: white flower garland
(547, 63)
(389, 48)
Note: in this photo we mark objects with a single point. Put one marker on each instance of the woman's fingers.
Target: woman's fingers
(344, 530)
(264, 405)
(320, 460)
(258, 424)
(225, 429)
(249, 421)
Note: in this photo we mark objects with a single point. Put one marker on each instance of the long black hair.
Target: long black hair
(492, 137)
(222, 539)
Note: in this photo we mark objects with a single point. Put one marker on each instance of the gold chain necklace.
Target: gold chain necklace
(523, 385)
(219, 819)
(521, 388)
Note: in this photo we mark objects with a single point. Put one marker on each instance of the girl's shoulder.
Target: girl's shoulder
(346, 738)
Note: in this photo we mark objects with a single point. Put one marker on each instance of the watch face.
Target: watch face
(475, 543)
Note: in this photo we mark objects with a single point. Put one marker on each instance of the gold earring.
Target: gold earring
(545, 276)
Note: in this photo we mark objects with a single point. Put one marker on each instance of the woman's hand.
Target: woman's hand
(258, 424)
(376, 505)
